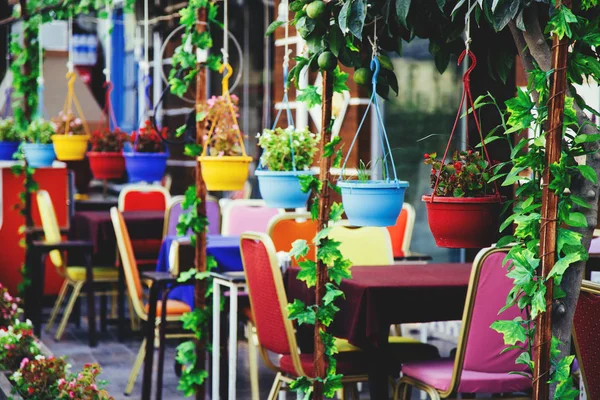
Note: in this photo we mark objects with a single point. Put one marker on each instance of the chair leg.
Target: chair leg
(56, 308)
(137, 366)
(114, 302)
(65, 319)
(103, 305)
(253, 360)
(275, 388)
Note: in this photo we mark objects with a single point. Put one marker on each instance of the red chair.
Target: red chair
(480, 365)
(275, 331)
(586, 337)
(143, 198)
(401, 233)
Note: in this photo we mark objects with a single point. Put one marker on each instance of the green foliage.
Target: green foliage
(39, 131)
(8, 131)
(277, 148)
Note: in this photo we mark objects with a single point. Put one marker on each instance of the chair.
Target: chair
(586, 336)
(175, 309)
(285, 229)
(401, 233)
(274, 330)
(140, 197)
(245, 215)
(175, 210)
(74, 276)
(480, 365)
(368, 245)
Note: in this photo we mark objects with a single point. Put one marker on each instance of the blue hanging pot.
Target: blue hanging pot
(281, 189)
(146, 167)
(7, 149)
(39, 155)
(372, 203)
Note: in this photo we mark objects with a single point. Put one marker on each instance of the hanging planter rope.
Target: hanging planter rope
(225, 172)
(373, 202)
(464, 222)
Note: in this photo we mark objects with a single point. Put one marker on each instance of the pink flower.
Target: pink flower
(23, 363)
(71, 395)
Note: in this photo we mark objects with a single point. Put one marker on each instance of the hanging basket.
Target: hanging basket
(7, 149)
(145, 167)
(70, 147)
(373, 203)
(228, 173)
(463, 222)
(281, 189)
(106, 165)
(39, 155)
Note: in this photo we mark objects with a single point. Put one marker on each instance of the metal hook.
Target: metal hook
(375, 67)
(473, 62)
(71, 77)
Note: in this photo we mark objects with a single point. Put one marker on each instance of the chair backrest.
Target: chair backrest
(479, 346)
(267, 296)
(213, 213)
(285, 229)
(369, 245)
(175, 210)
(586, 336)
(128, 262)
(401, 233)
(139, 197)
(50, 225)
(240, 216)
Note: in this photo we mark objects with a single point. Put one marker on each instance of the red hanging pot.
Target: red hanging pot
(106, 165)
(463, 222)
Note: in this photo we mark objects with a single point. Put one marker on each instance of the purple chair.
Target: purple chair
(174, 211)
(479, 366)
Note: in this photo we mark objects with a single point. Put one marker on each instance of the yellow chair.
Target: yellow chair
(367, 245)
(175, 308)
(74, 276)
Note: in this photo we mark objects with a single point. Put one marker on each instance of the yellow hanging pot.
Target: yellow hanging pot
(70, 147)
(225, 173)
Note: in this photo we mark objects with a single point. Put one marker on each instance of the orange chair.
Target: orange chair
(175, 309)
(401, 233)
(285, 229)
(143, 198)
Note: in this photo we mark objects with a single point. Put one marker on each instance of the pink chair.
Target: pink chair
(586, 336)
(479, 366)
(240, 216)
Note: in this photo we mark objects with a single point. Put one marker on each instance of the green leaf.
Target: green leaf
(356, 19)
(538, 302)
(308, 272)
(588, 173)
(325, 313)
(562, 264)
(402, 9)
(299, 312)
(567, 237)
(337, 41)
(336, 211)
(582, 138)
(331, 293)
(339, 81)
(576, 219)
(332, 384)
(514, 331)
(299, 248)
(525, 359)
(560, 22)
(329, 252)
(340, 270)
(344, 16)
(322, 234)
(274, 25)
(310, 96)
(192, 150)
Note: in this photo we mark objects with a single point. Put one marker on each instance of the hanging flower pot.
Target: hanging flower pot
(9, 139)
(39, 151)
(148, 160)
(464, 209)
(287, 155)
(70, 147)
(224, 159)
(106, 165)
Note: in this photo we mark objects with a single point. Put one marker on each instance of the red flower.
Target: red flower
(426, 156)
(458, 166)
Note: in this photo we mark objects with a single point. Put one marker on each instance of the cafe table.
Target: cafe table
(379, 296)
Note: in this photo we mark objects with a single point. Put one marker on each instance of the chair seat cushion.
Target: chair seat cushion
(174, 307)
(100, 273)
(438, 374)
(349, 363)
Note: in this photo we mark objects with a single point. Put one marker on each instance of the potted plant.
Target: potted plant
(9, 139)
(16, 343)
(38, 149)
(464, 208)
(70, 138)
(224, 160)
(9, 308)
(148, 160)
(370, 202)
(287, 155)
(106, 155)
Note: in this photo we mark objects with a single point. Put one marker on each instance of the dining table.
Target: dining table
(377, 297)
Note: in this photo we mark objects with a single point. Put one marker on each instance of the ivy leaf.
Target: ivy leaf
(322, 234)
(308, 272)
(192, 150)
(335, 212)
(330, 147)
(331, 293)
(299, 248)
(336, 40)
(565, 390)
(567, 237)
(576, 219)
(329, 252)
(579, 139)
(538, 302)
(562, 264)
(525, 359)
(314, 209)
(560, 23)
(514, 332)
(303, 385)
(562, 372)
(299, 312)
(402, 8)
(339, 81)
(325, 313)
(332, 384)
(310, 96)
(274, 25)
(588, 173)
(340, 270)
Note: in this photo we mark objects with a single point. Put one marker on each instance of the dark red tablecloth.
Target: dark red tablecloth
(97, 227)
(379, 296)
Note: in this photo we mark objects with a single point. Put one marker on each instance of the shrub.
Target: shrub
(225, 140)
(40, 131)
(109, 141)
(68, 124)
(16, 343)
(148, 140)
(277, 150)
(8, 131)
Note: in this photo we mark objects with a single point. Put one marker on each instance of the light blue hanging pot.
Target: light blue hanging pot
(373, 202)
(282, 189)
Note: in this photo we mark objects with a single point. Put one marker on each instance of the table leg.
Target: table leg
(216, 339)
(233, 325)
(121, 304)
(91, 299)
(161, 344)
(149, 358)
(379, 369)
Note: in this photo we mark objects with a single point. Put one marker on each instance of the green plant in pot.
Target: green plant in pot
(70, 138)
(287, 156)
(10, 138)
(464, 208)
(106, 155)
(38, 148)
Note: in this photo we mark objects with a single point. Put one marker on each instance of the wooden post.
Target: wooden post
(548, 229)
(200, 259)
(324, 201)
